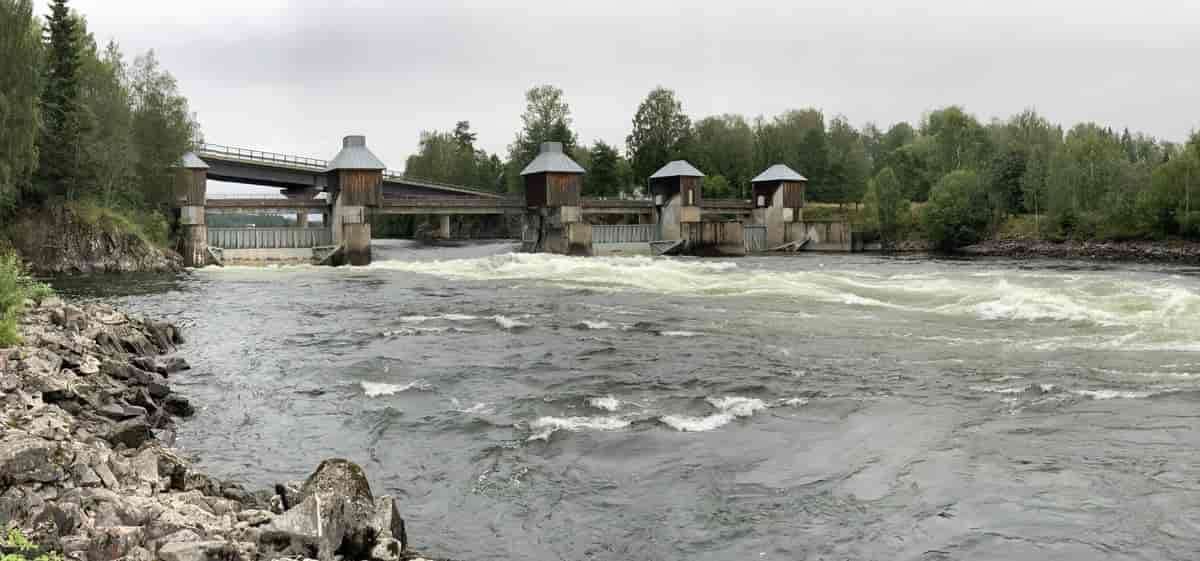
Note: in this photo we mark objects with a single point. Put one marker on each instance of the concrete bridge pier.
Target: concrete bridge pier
(191, 183)
(302, 220)
(443, 231)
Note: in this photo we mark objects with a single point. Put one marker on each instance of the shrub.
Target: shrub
(15, 546)
(957, 213)
(15, 288)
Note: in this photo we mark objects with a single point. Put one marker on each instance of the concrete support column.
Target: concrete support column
(444, 227)
(352, 230)
(302, 220)
(193, 236)
(773, 218)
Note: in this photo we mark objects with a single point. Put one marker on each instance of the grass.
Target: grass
(149, 226)
(15, 289)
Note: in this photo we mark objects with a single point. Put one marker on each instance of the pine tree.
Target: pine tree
(60, 147)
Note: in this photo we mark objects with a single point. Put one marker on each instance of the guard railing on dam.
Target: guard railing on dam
(268, 238)
(625, 233)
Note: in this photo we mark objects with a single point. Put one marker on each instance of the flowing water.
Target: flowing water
(809, 407)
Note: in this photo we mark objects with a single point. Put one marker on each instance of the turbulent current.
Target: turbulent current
(809, 407)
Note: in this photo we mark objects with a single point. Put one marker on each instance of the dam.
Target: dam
(550, 214)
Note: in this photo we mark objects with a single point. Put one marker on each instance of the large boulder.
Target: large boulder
(132, 433)
(199, 551)
(31, 460)
(335, 515)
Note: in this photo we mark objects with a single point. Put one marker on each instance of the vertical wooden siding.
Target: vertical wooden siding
(361, 187)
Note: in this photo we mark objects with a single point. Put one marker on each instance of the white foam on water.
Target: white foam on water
(415, 319)
(377, 389)
(794, 402)
(543, 427)
(728, 407)
(679, 333)
(1133, 312)
(508, 323)
(588, 324)
(1117, 394)
(607, 403)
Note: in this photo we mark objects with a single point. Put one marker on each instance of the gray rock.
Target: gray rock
(132, 433)
(24, 459)
(199, 551)
(387, 522)
(175, 364)
(114, 542)
(85, 476)
(178, 406)
(106, 475)
(334, 516)
(155, 383)
(255, 517)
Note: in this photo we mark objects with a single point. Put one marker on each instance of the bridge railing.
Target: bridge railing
(261, 155)
(624, 233)
(268, 238)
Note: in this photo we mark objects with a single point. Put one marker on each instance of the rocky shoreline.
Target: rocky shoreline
(86, 468)
(1181, 252)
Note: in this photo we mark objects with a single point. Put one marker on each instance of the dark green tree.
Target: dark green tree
(661, 133)
(957, 213)
(606, 175)
(162, 130)
(60, 149)
(724, 145)
(884, 207)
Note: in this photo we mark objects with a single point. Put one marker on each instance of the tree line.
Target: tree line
(79, 123)
(949, 177)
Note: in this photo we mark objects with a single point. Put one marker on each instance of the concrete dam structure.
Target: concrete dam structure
(554, 216)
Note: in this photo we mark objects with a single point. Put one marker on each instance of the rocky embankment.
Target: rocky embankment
(1133, 251)
(58, 242)
(86, 468)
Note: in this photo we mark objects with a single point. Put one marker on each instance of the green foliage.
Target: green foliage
(17, 543)
(958, 213)
(547, 118)
(15, 287)
(724, 145)
(452, 158)
(150, 226)
(61, 160)
(717, 187)
(885, 210)
(796, 139)
(661, 133)
(608, 172)
(848, 165)
(20, 116)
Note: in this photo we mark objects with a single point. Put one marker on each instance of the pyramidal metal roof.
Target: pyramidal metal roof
(778, 172)
(355, 155)
(551, 159)
(192, 161)
(678, 168)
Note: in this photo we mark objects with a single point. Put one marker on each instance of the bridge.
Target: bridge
(355, 185)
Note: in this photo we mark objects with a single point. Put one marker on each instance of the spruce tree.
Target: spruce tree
(60, 150)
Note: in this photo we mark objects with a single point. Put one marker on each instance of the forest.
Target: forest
(81, 126)
(949, 178)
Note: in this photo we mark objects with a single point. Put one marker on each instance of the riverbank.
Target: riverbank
(80, 239)
(1145, 251)
(87, 420)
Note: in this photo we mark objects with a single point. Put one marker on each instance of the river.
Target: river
(537, 407)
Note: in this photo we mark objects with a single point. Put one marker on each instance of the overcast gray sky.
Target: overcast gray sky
(295, 76)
